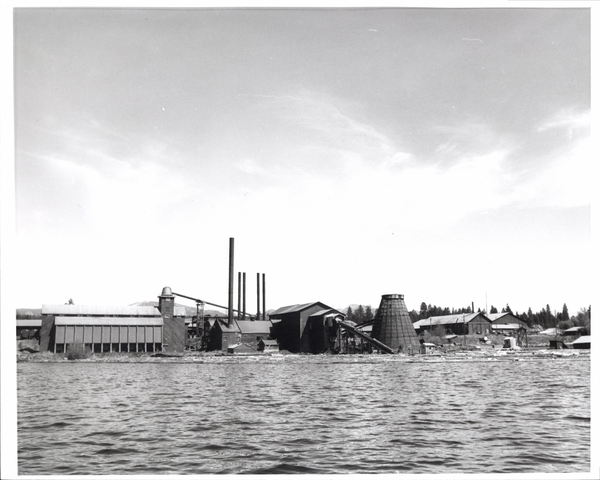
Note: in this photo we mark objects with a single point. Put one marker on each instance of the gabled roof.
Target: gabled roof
(550, 331)
(448, 319)
(494, 317)
(296, 308)
(584, 339)
(574, 329)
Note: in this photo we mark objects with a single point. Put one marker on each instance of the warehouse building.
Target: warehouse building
(115, 329)
(458, 324)
(307, 327)
(506, 321)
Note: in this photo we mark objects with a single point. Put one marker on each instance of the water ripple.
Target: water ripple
(314, 415)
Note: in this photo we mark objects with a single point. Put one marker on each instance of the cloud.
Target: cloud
(569, 121)
(565, 180)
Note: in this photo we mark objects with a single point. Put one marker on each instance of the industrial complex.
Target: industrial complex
(314, 327)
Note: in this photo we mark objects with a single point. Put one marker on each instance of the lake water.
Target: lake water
(305, 414)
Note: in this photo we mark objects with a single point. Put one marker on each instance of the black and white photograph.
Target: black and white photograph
(280, 240)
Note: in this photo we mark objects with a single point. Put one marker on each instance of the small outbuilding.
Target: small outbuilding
(573, 331)
(427, 348)
(267, 346)
(583, 343)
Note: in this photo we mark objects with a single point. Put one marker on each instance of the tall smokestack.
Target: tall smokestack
(239, 309)
(472, 307)
(264, 312)
(258, 296)
(244, 296)
(230, 304)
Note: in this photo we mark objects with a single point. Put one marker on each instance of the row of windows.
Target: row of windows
(113, 347)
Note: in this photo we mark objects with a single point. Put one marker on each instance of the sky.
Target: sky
(444, 154)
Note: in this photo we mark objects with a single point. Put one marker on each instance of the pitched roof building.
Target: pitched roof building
(303, 327)
(459, 324)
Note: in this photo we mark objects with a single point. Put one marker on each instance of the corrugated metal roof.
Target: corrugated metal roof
(149, 321)
(448, 319)
(29, 323)
(108, 311)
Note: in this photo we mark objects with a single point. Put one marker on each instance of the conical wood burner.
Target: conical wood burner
(392, 325)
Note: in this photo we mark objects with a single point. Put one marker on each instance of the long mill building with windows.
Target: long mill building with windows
(115, 329)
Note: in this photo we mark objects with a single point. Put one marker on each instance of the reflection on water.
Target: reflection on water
(304, 414)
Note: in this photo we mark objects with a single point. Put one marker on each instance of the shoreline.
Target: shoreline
(220, 357)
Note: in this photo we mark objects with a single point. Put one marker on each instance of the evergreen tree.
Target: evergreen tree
(565, 312)
(359, 315)
(423, 310)
(368, 314)
(349, 314)
(551, 318)
(493, 309)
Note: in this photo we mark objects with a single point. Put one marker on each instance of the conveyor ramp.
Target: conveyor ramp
(351, 328)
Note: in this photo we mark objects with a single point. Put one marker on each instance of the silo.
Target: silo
(393, 327)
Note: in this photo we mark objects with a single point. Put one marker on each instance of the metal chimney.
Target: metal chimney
(230, 304)
(239, 295)
(258, 296)
(244, 296)
(264, 296)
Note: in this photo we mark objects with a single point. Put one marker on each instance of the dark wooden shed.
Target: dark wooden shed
(290, 325)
